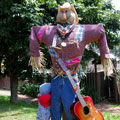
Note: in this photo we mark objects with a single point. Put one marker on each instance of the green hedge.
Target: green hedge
(29, 89)
(90, 92)
(32, 90)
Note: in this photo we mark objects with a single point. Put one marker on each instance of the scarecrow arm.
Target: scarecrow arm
(96, 33)
(36, 59)
(105, 53)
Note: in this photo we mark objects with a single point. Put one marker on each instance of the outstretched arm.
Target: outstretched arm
(105, 53)
(96, 33)
(36, 59)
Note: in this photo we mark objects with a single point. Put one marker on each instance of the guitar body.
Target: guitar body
(89, 112)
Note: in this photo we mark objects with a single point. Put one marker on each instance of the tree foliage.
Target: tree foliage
(17, 19)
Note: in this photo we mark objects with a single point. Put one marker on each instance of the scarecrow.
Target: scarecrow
(67, 41)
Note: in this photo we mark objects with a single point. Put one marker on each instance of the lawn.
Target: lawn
(115, 105)
(20, 111)
(24, 111)
(111, 116)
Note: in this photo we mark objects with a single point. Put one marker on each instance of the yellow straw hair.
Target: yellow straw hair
(108, 67)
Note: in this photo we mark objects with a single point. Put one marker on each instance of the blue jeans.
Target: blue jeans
(62, 95)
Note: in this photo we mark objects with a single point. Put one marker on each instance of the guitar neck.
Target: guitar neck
(77, 91)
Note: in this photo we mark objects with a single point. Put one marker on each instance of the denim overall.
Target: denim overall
(62, 96)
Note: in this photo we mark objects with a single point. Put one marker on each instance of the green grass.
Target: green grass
(111, 116)
(115, 105)
(24, 111)
(19, 111)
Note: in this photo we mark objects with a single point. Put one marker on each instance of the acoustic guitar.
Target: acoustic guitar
(88, 112)
(82, 108)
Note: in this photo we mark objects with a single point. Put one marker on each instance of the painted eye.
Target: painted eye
(62, 11)
(66, 11)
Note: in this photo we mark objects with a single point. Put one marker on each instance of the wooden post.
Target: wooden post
(116, 94)
(96, 81)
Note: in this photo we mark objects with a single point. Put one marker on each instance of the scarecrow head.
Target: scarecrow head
(67, 14)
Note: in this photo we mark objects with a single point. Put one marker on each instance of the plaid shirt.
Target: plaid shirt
(75, 43)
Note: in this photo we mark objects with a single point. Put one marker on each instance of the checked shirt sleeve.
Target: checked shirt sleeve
(35, 38)
(96, 33)
(102, 44)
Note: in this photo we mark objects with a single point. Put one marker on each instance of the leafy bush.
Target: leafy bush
(29, 89)
(90, 92)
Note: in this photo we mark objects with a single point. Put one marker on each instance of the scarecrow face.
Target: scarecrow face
(62, 16)
(66, 14)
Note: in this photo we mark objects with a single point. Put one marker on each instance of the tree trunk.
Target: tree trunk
(14, 89)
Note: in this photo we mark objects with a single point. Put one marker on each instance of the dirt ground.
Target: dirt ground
(104, 106)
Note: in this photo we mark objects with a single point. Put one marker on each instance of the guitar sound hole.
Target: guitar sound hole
(86, 110)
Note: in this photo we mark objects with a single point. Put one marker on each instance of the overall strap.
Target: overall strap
(75, 86)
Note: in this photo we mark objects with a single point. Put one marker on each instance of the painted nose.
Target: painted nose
(64, 16)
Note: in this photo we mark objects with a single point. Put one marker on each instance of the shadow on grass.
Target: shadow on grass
(16, 114)
(15, 109)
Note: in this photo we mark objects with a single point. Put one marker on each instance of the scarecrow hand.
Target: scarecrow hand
(35, 62)
(108, 67)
